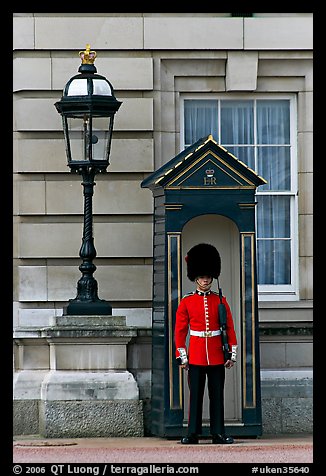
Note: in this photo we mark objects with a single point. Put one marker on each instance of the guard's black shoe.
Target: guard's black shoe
(190, 440)
(222, 440)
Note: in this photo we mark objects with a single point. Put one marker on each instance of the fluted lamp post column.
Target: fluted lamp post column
(88, 107)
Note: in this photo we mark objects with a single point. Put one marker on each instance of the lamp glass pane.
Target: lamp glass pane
(78, 87)
(79, 134)
(100, 138)
(101, 87)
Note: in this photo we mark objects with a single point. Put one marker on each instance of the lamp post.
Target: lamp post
(87, 107)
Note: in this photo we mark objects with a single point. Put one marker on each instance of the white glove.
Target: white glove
(234, 350)
(183, 355)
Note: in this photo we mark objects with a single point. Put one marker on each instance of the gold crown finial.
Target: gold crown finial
(87, 56)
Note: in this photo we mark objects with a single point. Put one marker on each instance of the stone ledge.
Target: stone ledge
(273, 374)
(285, 329)
(78, 404)
(91, 320)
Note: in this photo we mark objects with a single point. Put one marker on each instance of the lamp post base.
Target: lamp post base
(89, 308)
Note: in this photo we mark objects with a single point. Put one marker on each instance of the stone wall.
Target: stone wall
(162, 59)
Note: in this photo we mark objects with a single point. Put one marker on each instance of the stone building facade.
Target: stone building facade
(156, 62)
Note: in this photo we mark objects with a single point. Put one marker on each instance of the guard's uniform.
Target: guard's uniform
(199, 312)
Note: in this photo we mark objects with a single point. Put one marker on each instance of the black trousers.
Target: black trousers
(215, 383)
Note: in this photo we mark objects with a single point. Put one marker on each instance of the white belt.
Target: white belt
(205, 333)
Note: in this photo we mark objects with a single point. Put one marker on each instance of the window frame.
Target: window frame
(271, 292)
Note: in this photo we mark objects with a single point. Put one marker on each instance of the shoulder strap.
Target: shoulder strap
(221, 310)
(220, 294)
(188, 294)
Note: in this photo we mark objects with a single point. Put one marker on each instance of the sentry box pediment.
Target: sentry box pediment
(204, 165)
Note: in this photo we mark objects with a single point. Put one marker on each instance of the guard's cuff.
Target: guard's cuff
(183, 355)
(234, 350)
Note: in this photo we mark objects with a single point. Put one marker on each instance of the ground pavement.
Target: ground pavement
(296, 449)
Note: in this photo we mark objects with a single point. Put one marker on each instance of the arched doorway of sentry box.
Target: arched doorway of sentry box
(223, 233)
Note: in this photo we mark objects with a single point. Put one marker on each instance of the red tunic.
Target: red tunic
(199, 311)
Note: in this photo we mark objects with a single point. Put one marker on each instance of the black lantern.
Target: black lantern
(87, 107)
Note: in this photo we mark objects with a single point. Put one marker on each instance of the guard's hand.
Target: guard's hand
(228, 364)
(185, 366)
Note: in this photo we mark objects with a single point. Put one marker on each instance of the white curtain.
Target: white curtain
(237, 127)
(273, 211)
(273, 239)
(201, 119)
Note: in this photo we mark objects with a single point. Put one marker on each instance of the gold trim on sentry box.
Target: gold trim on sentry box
(170, 237)
(250, 236)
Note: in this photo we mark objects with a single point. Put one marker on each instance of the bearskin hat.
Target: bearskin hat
(203, 260)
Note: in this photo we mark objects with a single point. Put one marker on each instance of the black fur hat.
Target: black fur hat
(203, 260)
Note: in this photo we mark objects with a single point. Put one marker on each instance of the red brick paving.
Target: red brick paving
(284, 449)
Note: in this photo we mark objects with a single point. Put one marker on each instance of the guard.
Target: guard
(199, 311)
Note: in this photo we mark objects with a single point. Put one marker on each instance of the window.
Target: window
(259, 132)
